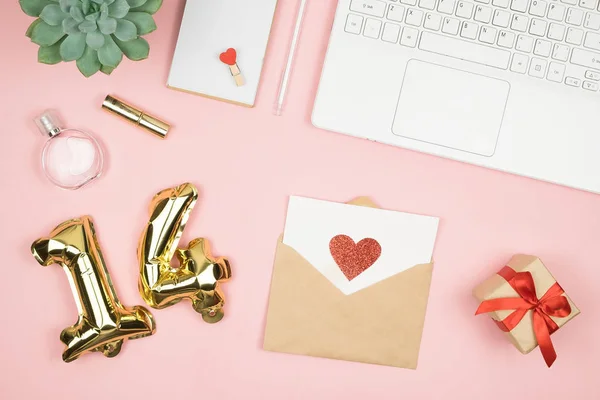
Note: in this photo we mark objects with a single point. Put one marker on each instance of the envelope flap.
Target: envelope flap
(381, 324)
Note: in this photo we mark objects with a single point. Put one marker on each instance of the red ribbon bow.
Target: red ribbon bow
(551, 304)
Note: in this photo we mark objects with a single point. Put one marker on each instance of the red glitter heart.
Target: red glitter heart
(229, 57)
(354, 258)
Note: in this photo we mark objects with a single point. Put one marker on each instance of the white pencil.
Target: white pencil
(285, 77)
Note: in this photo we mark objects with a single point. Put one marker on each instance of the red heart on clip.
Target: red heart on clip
(229, 57)
(354, 258)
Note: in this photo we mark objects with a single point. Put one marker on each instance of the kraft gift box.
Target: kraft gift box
(498, 287)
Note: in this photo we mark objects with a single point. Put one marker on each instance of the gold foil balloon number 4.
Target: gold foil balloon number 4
(104, 323)
(199, 274)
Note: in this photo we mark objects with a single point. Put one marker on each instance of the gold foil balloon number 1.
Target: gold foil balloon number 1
(104, 323)
(199, 274)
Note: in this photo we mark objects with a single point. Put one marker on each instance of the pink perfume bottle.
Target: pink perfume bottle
(71, 158)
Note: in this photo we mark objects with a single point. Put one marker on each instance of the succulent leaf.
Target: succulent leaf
(51, 54)
(30, 29)
(150, 6)
(66, 5)
(73, 47)
(104, 10)
(95, 40)
(143, 22)
(126, 30)
(136, 50)
(110, 54)
(93, 17)
(135, 3)
(77, 14)
(89, 64)
(53, 15)
(70, 26)
(107, 26)
(33, 8)
(106, 70)
(88, 26)
(46, 35)
(85, 6)
(118, 9)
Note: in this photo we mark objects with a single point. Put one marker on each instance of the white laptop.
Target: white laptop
(506, 84)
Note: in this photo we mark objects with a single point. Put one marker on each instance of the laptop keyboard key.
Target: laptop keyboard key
(446, 6)
(354, 24)
(574, 16)
(585, 58)
(390, 32)
(395, 13)
(409, 37)
(556, 12)
(537, 68)
(501, 18)
(569, 80)
(487, 35)
(519, 23)
(483, 14)
(560, 52)
(542, 48)
(427, 4)
(556, 72)
(450, 26)
(374, 8)
(519, 63)
(469, 30)
(433, 22)
(519, 5)
(574, 36)
(592, 21)
(538, 8)
(414, 17)
(372, 28)
(592, 41)
(506, 39)
(556, 32)
(464, 9)
(593, 75)
(524, 44)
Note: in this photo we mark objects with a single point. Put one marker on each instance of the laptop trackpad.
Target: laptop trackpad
(450, 108)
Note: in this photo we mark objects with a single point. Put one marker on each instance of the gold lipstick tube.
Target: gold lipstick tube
(136, 116)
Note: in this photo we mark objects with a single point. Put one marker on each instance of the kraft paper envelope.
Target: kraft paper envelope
(381, 324)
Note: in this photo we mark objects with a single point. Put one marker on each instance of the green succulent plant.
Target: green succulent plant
(93, 33)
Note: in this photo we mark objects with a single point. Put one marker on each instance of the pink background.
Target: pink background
(247, 162)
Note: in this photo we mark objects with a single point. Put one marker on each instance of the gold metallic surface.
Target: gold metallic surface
(104, 323)
(135, 115)
(198, 276)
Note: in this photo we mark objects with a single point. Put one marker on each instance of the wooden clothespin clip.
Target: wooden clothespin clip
(230, 58)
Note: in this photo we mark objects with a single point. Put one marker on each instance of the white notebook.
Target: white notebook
(210, 27)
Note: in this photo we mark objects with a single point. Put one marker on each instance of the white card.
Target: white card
(405, 239)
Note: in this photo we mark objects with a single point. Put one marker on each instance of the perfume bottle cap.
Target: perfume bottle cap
(48, 123)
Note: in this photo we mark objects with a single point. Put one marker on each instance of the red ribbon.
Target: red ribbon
(551, 304)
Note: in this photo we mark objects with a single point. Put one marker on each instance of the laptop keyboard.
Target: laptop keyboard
(553, 40)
